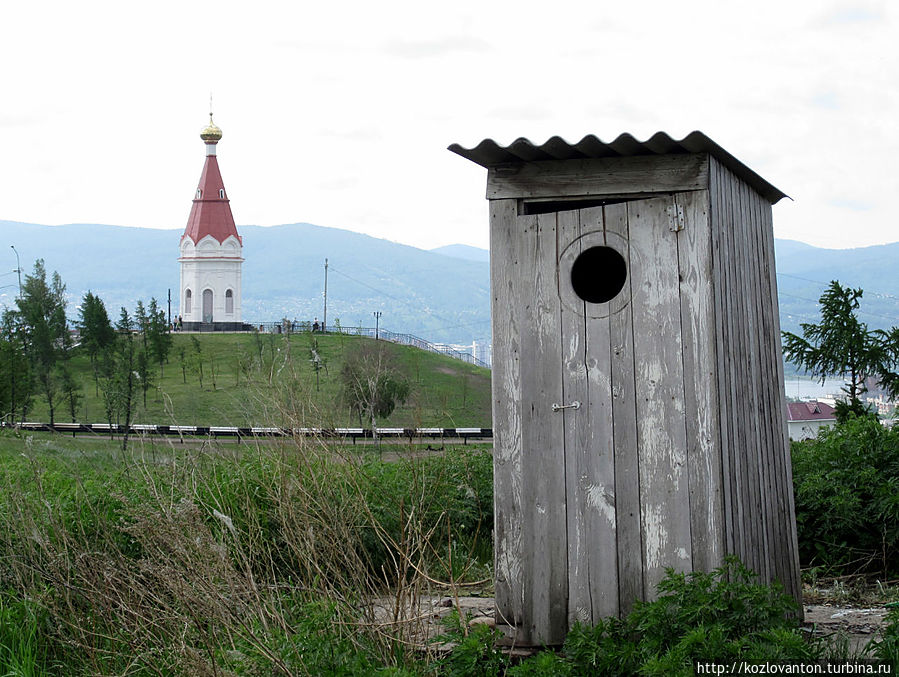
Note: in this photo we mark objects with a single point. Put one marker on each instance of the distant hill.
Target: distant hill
(419, 292)
(440, 295)
(464, 251)
(804, 271)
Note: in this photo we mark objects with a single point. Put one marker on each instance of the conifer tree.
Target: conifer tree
(158, 334)
(97, 333)
(842, 345)
(42, 315)
(15, 385)
(125, 364)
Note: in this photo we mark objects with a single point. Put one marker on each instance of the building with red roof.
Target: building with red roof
(804, 419)
(211, 251)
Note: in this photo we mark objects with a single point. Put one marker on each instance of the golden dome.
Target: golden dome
(211, 133)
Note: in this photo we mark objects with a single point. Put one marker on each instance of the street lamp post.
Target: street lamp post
(18, 269)
(377, 315)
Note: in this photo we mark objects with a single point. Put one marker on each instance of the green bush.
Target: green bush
(886, 648)
(846, 485)
(451, 495)
(720, 616)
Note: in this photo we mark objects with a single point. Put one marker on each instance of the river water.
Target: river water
(805, 388)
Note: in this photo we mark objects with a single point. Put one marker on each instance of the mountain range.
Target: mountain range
(441, 295)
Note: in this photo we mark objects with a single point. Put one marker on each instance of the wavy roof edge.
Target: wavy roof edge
(489, 154)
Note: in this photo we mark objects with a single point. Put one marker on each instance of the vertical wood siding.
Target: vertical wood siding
(506, 386)
(659, 380)
(677, 454)
(759, 518)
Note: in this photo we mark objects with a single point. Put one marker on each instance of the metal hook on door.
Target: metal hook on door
(560, 407)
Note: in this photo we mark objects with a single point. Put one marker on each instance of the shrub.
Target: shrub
(886, 648)
(846, 485)
(720, 616)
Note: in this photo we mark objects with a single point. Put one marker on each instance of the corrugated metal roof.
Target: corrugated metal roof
(489, 154)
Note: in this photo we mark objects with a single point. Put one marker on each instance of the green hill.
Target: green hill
(266, 379)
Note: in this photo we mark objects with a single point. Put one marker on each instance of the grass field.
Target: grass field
(226, 560)
(303, 557)
(261, 379)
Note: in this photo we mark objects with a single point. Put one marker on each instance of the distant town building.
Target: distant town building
(805, 419)
(483, 351)
(211, 251)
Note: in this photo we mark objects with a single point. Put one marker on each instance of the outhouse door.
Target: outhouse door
(593, 477)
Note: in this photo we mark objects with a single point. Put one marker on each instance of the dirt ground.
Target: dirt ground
(857, 624)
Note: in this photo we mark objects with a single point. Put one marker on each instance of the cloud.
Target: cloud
(854, 13)
(339, 184)
(357, 134)
(852, 205)
(20, 120)
(436, 48)
(520, 112)
(827, 100)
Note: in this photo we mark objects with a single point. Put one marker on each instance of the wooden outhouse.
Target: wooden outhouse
(637, 378)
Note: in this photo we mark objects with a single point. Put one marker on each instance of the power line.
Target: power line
(860, 311)
(408, 304)
(824, 284)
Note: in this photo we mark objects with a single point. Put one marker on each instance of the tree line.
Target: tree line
(37, 346)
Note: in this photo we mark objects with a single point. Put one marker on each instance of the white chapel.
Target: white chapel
(210, 251)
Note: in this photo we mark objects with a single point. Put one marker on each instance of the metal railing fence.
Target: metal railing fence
(371, 332)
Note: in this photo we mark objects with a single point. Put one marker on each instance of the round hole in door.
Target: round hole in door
(598, 274)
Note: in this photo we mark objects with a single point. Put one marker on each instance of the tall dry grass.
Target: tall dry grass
(291, 556)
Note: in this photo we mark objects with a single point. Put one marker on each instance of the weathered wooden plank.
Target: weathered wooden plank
(786, 519)
(780, 522)
(759, 297)
(506, 390)
(772, 403)
(593, 580)
(748, 405)
(773, 399)
(624, 426)
(748, 419)
(700, 382)
(661, 432)
(577, 434)
(758, 413)
(729, 341)
(543, 462)
(599, 177)
(719, 287)
(599, 486)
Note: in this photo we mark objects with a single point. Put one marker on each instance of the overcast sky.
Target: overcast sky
(339, 114)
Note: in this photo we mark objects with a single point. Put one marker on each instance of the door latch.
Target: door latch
(573, 405)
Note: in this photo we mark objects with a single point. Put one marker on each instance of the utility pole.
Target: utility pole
(18, 269)
(325, 315)
(170, 306)
(377, 315)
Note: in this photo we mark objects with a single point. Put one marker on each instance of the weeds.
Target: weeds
(252, 560)
(886, 647)
(22, 650)
(720, 616)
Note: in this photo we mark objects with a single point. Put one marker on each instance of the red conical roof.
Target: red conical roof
(211, 212)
